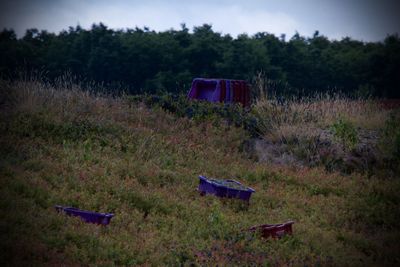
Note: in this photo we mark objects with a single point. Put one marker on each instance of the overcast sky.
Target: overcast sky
(367, 20)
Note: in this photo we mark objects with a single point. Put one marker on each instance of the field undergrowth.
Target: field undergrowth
(61, 145)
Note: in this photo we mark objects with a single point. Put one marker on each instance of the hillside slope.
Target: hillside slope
(69, 147)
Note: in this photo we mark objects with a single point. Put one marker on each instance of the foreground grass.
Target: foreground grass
(71, 148)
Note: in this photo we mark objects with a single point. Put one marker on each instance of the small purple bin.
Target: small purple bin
(210, 186)
(87, 216)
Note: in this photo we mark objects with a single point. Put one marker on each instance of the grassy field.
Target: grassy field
(61, 145)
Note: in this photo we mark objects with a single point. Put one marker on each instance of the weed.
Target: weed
(390, 142)
(344, 131)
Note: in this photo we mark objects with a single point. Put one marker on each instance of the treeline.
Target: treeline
(148, 61)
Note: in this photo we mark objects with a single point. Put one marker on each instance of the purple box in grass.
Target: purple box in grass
(87, 216)
(220, 90)
(224, 188)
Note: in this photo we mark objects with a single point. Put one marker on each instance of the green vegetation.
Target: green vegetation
(346, 132)
(141, 60)
(61, 145)
(390, 142)
(200, 111)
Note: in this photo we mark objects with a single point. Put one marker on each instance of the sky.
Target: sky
(365, 20)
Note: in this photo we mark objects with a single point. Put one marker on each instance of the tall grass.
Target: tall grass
(331, 130)
(111, 154)
(320, 111)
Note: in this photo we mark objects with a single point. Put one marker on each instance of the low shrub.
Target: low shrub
(232, 114)
(345, 132)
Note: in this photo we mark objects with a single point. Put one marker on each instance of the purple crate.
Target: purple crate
(222, 189)
(220, 90)
(87, 216)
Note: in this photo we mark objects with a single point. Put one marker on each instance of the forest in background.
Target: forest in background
(146, 61)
